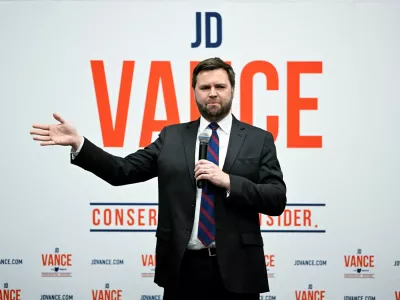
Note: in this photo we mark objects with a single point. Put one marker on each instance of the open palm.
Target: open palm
(63, 134)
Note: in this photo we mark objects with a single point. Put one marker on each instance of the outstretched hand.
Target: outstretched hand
(63, 134)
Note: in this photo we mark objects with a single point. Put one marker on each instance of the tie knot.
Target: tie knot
(213, 126)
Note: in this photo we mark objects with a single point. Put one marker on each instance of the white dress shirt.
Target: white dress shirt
(223, 132)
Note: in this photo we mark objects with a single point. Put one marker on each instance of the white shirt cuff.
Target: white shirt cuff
(75, 153)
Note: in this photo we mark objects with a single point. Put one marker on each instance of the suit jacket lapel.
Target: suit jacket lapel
(237, 136)
(189, 142)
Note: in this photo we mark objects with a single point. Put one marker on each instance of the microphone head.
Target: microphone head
(204, 137)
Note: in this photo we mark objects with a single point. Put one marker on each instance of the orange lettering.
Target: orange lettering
(95, 213)
(287, 218)
(58, 260)
(144, 260)
(347, 261)
(371, 261)
(10, 294)
(359, 261)
(112, 136)
(119, 217)
(131, 219)
(365, 261)
(160, 71)
(107, 295)
(270, 221)
(44, 260)
(310, 295)
(69, 258)
(307, 217)
(296, 213)
(63, 259)
(141, 217)
(295, 104)
(148, 260)
(107, 217)
(298, 294)
(151, 261)
(270, 260)
(246, 92)
(194, 112)
(152, 217)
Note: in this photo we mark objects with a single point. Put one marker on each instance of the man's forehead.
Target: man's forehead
(213, 76)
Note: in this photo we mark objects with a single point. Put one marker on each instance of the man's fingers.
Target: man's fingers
(199, 172)
(49, 143)
(41, 126)
(204, 162)
(205, 171)
(58, 118)
(202, 169)
(205, 166)
(203, 176)
(40, 132)
(42, 138)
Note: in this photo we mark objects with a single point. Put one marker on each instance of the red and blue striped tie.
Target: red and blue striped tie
(206, 230)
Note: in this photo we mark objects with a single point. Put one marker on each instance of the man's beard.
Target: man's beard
(214, 115)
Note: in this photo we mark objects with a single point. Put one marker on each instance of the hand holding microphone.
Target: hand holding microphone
(206, 170)
(204, 138)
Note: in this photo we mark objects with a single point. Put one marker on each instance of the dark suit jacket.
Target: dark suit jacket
(257, 186)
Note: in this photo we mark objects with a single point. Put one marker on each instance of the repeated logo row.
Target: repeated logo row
(107, 293)
(111, 293)
(58, 264)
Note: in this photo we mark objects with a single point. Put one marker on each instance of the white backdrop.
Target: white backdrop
(343, 195)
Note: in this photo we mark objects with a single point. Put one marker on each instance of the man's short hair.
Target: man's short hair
(213, 64)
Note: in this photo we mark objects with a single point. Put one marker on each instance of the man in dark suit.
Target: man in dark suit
(209, 244)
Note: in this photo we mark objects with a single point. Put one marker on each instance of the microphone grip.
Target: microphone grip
(203, 147)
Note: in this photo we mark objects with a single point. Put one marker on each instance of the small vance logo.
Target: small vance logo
(359, 265)
(310, 294)
(149, 265)
(6, 293)
(57, 264)
(107, 293)
(270, 264)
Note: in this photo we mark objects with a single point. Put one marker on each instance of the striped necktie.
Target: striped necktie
(206, 230)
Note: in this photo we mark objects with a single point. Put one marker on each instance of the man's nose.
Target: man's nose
(213, 92)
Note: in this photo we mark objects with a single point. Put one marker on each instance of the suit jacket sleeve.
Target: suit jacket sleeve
(268, 194)
(136, 167)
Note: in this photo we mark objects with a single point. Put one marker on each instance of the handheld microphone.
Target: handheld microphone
(204, 138)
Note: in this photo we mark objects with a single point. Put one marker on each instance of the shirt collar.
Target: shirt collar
(225, 124)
